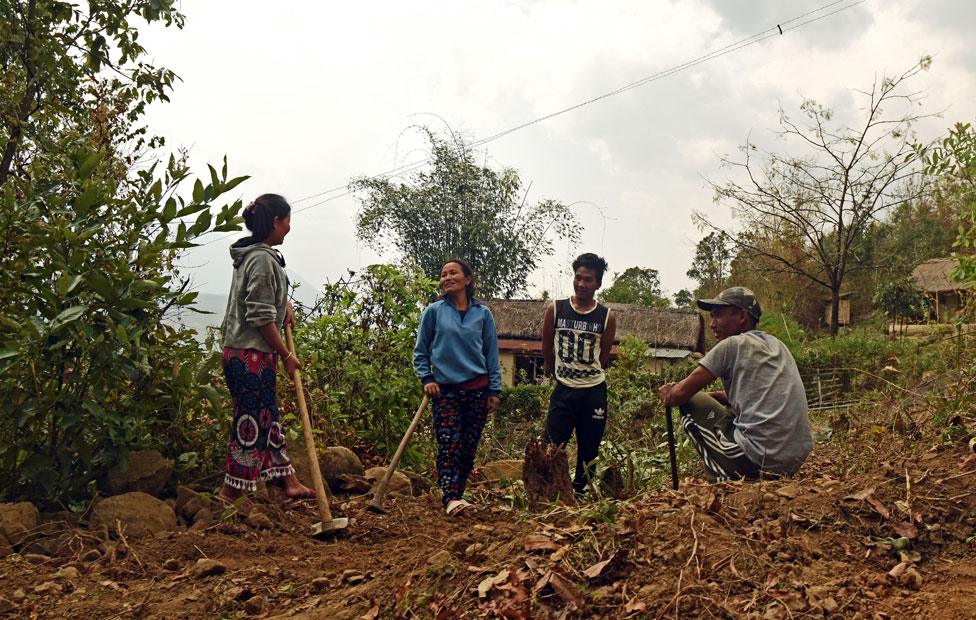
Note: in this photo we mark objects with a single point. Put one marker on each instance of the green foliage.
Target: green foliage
(458, 209)
(684, 299)
(824, 197)
(900, 299)
(711, 264)
(784, 327)
(90, 367)
(953, 162)
(54, 55)
(636, 285)
(358, 346)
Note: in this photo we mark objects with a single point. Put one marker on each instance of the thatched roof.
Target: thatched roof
(935, 276)
(521, 319)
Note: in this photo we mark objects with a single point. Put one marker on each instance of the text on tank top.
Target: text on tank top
(577, 344)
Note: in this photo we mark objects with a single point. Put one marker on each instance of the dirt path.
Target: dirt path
(821, 545)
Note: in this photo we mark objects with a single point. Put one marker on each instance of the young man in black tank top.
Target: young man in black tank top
(577, 335)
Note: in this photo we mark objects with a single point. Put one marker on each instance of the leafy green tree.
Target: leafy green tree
(89, 365)
(712, 262)
(455, 208)
(900, 300)
(953, 162)
(829, 191)
(54, 55)
(684, 299)
(636, 285)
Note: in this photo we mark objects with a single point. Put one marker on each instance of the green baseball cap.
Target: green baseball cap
(737, 296)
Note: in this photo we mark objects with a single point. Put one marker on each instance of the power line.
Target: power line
(777, 30)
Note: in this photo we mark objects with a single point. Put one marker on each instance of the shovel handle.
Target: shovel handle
(671, 448)
(381, 488)
(313, 458)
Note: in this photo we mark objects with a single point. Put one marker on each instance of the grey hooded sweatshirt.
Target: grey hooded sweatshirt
(258, 296)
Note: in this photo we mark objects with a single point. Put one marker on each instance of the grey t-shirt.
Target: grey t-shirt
(766, 393)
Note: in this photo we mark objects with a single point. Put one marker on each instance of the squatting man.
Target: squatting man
(758, 425)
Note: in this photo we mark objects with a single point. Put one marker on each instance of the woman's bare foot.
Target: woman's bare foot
(294, 489)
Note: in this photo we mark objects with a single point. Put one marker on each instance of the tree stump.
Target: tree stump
(545, 473)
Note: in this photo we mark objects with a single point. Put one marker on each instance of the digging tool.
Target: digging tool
(375, 504)
(671, 448)
(328, 525)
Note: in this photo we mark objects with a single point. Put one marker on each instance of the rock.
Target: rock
(399, 483)
(911, 578)
(321, 584)
(336, 461)
(171, 564)
(138, 514)
(829, 604)
(146, 471)
(17, 521)
(48, 587)
(205, 567)
(68, 572)
(19, 595)
(202, 519)
(189, 503)
(352, 576)
(497, 471)
(357, 485)
(6, 605)
(259, 520)
(255, 605)
(440, 559)
(789, 491)
(5, 547)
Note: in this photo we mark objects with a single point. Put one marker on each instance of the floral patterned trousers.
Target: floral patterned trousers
(256, 446)
(459, 417)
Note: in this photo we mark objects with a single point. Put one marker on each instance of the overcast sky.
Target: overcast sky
(303, 96)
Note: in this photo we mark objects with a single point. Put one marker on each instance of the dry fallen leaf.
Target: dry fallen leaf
(539, 542)
(490, 582)
(906, 529)
(595, 570)
(372, 614)
(567, 590)
(633, 605)
(879, 507)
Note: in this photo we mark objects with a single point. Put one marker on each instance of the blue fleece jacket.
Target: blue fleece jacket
(451, 349)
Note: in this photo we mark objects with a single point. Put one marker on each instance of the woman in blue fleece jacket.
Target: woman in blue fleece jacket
(456, 357)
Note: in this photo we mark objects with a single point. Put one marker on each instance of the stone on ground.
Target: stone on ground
(497, 471)
(137, 514)
(17, 521)
(205, 567)
(334, 463)
(399, 483)
(146, 471)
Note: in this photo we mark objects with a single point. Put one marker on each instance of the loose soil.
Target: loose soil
(875, 526)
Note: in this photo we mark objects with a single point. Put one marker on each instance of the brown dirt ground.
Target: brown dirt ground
(820, 545)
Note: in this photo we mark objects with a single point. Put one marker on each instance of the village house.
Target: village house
(673, 334)
(946, 296)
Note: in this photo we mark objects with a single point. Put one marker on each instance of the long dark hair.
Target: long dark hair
(466, 270)
(259, 218)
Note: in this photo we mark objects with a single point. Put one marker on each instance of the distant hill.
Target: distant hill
(214, 305)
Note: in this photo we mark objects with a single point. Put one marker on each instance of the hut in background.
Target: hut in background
(934, 278)
(673, 334)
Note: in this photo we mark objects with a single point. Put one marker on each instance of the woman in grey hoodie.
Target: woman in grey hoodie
(257, 310)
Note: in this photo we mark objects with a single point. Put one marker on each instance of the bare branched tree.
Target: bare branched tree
(843, 179)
